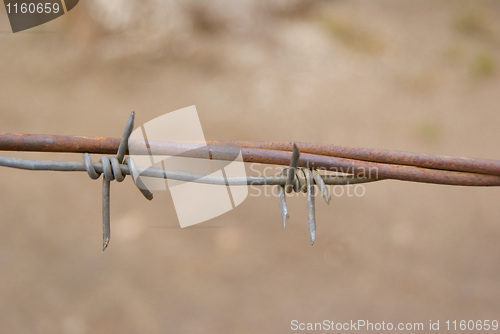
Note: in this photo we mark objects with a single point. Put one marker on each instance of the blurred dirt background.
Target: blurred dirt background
(415, 75)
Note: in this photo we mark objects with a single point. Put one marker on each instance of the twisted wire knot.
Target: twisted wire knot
(301, 180)
(112, 170)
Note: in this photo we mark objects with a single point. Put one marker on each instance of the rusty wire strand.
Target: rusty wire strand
(394, 157)
(404, 166)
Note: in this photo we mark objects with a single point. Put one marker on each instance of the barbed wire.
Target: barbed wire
(396, 165)
(347, 165)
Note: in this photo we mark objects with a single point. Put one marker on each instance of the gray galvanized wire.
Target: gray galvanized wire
(126, 169)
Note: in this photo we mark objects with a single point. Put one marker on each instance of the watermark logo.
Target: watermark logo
(195, 202)
(26, 14)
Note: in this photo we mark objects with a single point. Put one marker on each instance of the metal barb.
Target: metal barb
(283, 206)
(282, 202)
(137, 181)
(294, 162)
(325, 192)
(106, 226)
(123, 147)
(304, 182)
(109, 176)
(311, 216)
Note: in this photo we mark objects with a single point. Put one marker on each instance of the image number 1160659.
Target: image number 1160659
(33, 8)
(28, 14)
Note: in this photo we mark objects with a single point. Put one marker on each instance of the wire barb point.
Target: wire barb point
(311, 214)
(304, 179)
(106, 220)
(282, 202)
(105, 244)
(325, 192)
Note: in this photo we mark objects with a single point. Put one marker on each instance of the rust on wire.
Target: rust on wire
(459, 164)
(109, 145)
(58, 143)
(396, 165)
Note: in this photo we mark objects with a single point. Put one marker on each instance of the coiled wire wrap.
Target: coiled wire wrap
(112, 171)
